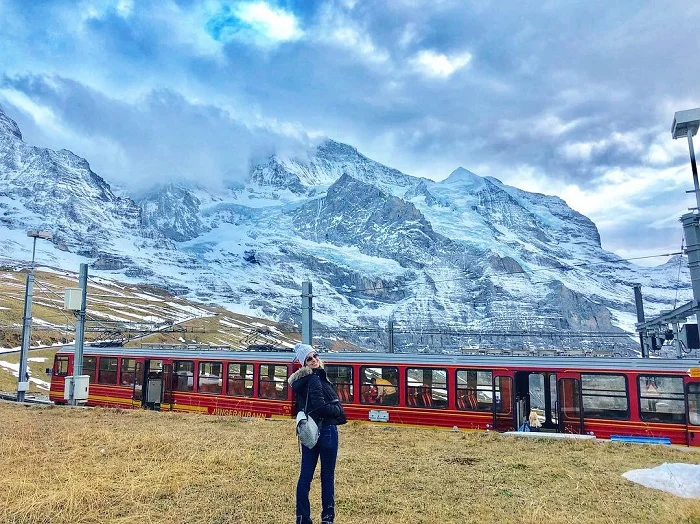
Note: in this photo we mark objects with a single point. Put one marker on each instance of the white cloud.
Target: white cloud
(408, 35)
(275, 24)
(432, 64)
(337, 29)
(664, 151)
(618, 196)
(581, 151)
(91, 10)
(42, 116)
(631, 142)
(125, 8)
(552, 125)
(103, 149)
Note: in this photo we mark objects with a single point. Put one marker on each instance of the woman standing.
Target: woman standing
(327, 411)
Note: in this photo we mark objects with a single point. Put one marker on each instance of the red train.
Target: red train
(645, 398)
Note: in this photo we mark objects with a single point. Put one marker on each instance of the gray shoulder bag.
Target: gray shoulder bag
(307, 429)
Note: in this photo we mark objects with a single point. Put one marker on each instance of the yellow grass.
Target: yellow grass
(96, 465)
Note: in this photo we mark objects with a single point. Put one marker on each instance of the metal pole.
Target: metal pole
(694, 166)
(692, 249)
(22, 376)
(306, 313)
(640, 316)
(391, 336)
(79, 332)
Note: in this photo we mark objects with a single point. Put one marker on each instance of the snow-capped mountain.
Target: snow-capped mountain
(377, 244)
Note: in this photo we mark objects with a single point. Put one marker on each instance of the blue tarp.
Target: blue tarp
(636, 439)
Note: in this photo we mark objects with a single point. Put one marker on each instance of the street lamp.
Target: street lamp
(686, 123)
(23, 377)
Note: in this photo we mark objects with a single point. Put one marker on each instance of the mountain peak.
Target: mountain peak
(463, 176)
(332, 147)
(9, 126)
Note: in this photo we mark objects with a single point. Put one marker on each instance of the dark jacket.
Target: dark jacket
(324, 406)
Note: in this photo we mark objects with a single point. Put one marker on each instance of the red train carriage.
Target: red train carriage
(603, 396)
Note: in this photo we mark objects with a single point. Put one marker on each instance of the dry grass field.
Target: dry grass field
(96, 465)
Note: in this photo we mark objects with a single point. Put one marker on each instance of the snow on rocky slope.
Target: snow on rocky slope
(467, 252)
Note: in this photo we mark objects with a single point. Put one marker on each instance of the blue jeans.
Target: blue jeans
(327, 449)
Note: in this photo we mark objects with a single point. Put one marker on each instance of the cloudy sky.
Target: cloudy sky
(568, 98)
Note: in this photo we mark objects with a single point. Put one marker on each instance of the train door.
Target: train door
(522, 397)
(540, 389)
(692, 402)
(503, 412)
(167, 403)
(137, 395)
(153, 385)
(570, 412)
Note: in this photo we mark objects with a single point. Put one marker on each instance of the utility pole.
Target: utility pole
(22, 375)
(79, 333)
(640, 316)
(391, 335)
(306, 313)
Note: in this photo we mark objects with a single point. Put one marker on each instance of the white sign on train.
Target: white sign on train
(378, 416)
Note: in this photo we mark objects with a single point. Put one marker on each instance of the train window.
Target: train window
(661, 399)
(379, 385)
(604, 396)
(426, 388)
(60, 367)
(273, 381)
(474, 390)
(90, 368)
(240, 380)
(694, 404)
(128, 373)
(341, 378)
(183, 375)
(108, 371)
(211, 377)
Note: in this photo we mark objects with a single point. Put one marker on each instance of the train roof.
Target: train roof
(418, 359)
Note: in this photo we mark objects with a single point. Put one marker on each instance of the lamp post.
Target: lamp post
(686, 124)
(23, 377)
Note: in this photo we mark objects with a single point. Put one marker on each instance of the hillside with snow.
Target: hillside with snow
(468, 252)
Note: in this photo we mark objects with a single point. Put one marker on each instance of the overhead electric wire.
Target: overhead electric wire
(46, 289)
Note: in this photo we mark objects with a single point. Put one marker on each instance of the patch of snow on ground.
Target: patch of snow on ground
(150, 298)
(37, 359)
(679, 479)
(14, 369)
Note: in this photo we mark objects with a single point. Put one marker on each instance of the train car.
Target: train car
(644, 398)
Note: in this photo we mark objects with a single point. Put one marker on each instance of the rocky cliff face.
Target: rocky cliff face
(468, 252)
(57, 190)
(174, 212)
